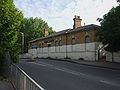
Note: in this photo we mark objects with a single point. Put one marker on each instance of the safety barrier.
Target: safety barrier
(21, 80)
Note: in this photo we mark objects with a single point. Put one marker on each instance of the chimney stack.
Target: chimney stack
(77, 22)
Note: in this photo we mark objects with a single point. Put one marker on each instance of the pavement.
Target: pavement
(108, 65)
(5, 85)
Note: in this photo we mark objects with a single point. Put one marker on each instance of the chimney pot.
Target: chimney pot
(75, 16)
(77, 22)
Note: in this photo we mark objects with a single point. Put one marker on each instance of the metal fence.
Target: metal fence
(21, 80)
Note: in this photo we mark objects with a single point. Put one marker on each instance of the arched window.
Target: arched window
(42, 45)
(87, 39)
(56, 43)
(73, 41)
(39, 45)
(60, 42)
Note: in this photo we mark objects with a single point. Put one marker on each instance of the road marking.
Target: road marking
(109, 83)
(60, 69)
(76, 73)
(102, 68)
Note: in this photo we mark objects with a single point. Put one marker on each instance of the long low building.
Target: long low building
(77, 43)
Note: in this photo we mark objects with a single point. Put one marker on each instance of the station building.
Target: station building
(77, 43)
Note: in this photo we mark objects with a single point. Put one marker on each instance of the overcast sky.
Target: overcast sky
(59, 13)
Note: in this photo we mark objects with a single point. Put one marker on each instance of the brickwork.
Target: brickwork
(79, 37)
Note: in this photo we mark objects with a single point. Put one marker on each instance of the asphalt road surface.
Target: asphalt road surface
(61, 75)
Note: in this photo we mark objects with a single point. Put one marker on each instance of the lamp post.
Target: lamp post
(22, 42)
(66, 45)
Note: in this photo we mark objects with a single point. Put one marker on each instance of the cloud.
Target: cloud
(92, 9)
(59, 13)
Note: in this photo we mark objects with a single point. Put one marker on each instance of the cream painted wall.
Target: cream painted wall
(86, 51)
(116, 57)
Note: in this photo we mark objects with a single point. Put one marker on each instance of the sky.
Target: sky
(59, 13)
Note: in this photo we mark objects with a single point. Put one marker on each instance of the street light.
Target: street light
(22, 42)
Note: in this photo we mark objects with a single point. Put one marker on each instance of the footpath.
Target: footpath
(108, 65)
(5, 85)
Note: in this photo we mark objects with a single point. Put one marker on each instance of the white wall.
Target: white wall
(86, 51)
(116, 57)
(33, 52)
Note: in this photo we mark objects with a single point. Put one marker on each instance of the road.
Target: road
(61, 75)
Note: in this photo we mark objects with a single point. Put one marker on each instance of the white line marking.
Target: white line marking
(109, 83)
(60, 69)
(76, 73)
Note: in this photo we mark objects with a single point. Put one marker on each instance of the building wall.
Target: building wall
(115, 58)
(86, 51)
(79, 49)
(79, 38)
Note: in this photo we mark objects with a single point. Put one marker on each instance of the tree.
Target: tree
(50, 30)
(33, 28)
(118, 1)
(109, 33)
(10, 21)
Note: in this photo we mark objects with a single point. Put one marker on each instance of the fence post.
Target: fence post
(24, 88)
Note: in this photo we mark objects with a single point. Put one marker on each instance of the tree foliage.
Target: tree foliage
(33, 28)
(10, 20)
(109, 32)
(118, 1)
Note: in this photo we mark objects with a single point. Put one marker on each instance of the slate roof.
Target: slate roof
(87, 27)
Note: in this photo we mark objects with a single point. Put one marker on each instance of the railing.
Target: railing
(21, 80)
